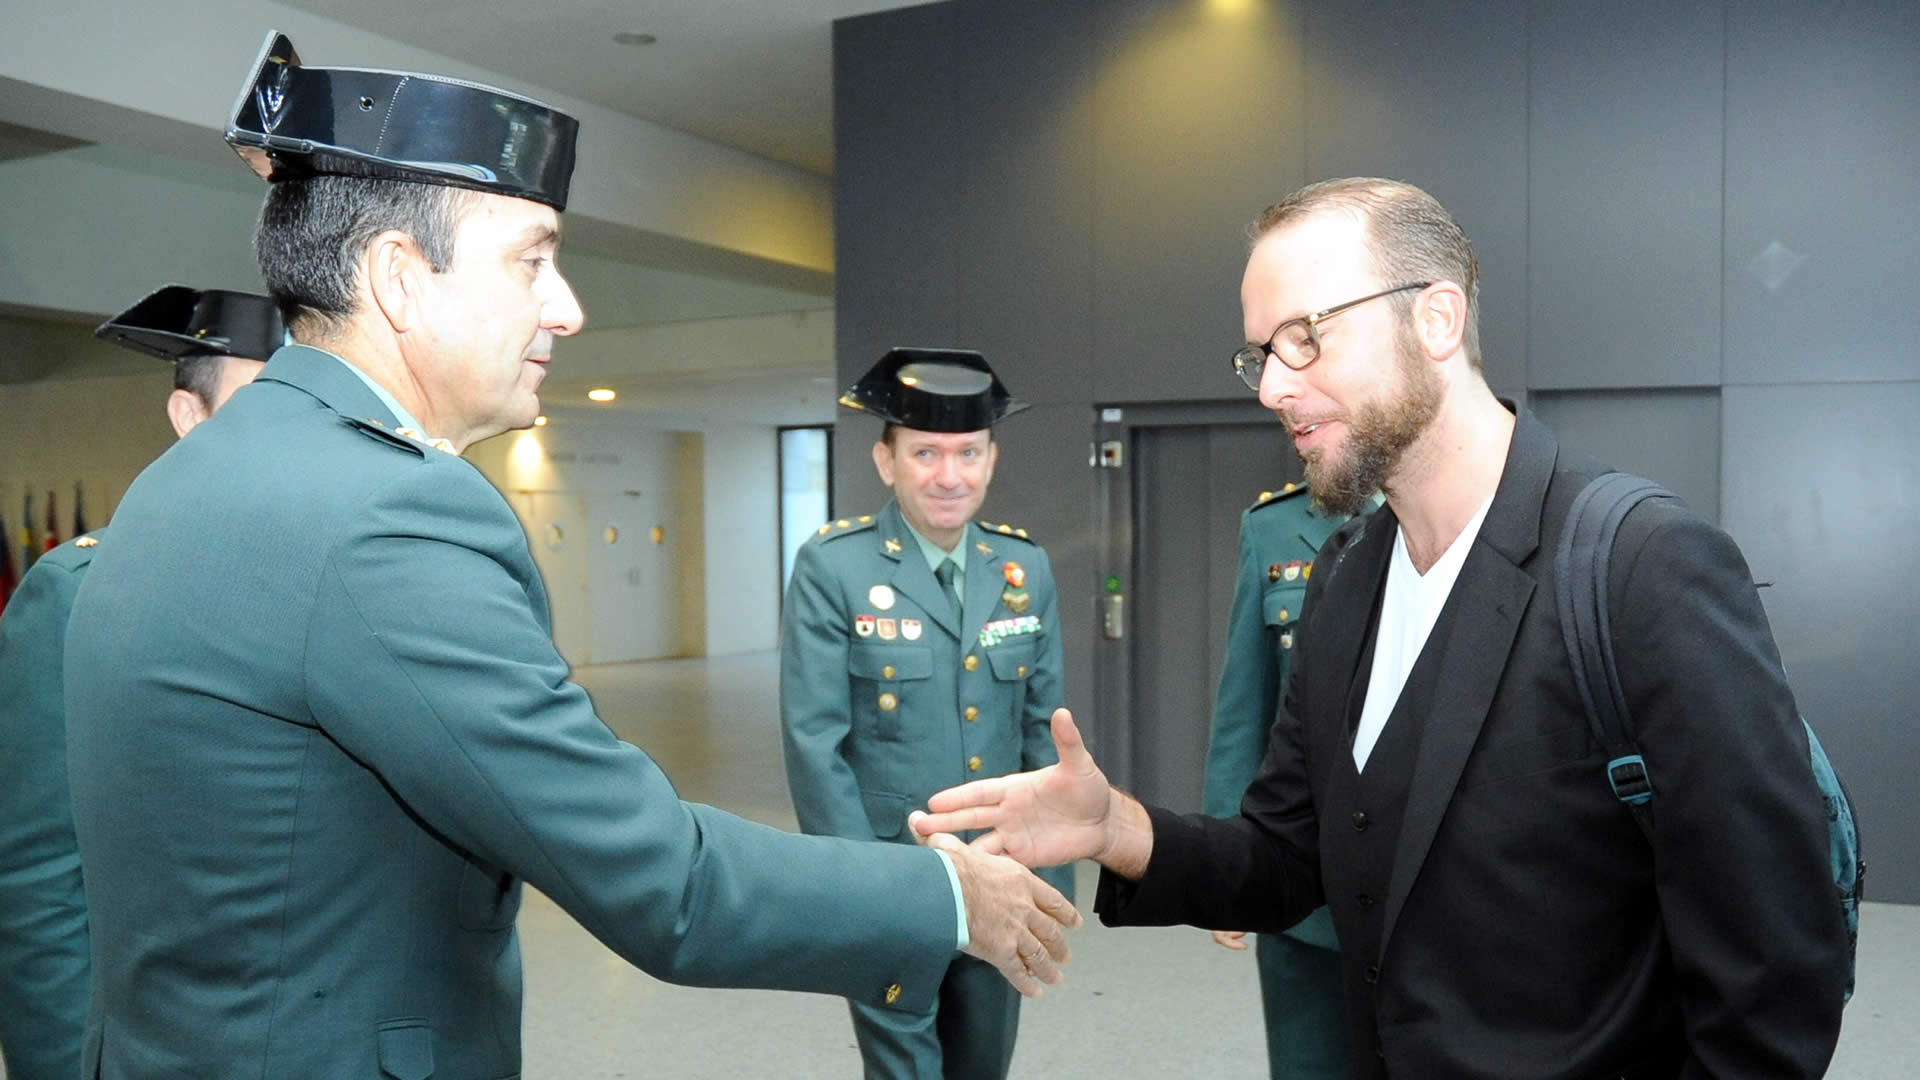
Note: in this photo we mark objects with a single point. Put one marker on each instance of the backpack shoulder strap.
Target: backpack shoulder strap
(1580, 574)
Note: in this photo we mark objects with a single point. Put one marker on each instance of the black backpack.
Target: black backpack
(1580, 567)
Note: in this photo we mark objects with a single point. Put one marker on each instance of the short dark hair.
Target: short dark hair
(1410, 235)
(886, 433)
(314, 231)
(199, 374)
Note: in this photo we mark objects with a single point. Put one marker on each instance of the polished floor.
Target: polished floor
(1137, 1003)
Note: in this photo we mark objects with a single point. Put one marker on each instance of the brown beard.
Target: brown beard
(1378, 435)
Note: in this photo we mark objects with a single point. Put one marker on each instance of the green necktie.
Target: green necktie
(945, 573)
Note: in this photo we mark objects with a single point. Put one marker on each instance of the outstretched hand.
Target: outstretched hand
(1045, 817)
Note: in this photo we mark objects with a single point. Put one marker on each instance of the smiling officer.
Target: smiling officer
(920, 649)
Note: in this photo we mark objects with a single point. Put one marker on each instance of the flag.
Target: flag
(7, 576)
(29, 535)
(53, 526)
(79, 512)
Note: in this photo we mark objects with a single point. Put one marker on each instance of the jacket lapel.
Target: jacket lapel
(1354, 576)
(1489, 599)
(911, 578)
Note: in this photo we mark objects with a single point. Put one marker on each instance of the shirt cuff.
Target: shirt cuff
(959, 901)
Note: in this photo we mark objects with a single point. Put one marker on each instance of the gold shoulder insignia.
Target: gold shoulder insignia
(844, 526)
(87, 542)
(1005, 530)
(1286, 491)
(374, 429)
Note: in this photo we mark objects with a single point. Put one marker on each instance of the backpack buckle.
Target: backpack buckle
(1631, 784)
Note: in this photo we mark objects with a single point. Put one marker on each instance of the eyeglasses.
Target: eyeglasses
(1297, 341)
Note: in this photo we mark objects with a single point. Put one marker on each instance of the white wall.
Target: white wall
(710, 588)
(589, 489)
(743, 539)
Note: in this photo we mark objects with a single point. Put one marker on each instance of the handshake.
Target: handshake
(1047, 817)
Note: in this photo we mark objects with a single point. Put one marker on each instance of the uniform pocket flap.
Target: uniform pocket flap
(1281, 604)
(1012, 661)
(890, 663)
(406, 1048)
(886, 812)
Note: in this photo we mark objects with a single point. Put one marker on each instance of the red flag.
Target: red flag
(53, 526)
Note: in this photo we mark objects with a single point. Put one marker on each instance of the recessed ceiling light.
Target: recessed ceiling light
(628, 37)
(540, 421)
(601, 393)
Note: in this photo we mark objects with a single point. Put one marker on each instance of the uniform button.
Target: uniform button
(1020, 672)
(1373, 973)
(1285, 615)
(888, 703)
(971, 663)
(973, 763)
(1360, 821)
(893, 993)
(887, 672)
(972, 712)
(1366, 902)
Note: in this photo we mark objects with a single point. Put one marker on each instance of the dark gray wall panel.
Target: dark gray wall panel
(1197, 126)
(1671, 437)
(1823, 206)
(1025, 130)
(895, 160)
(1386, 98)
(1624, 247)
(1043, 484)
(856, 486)
(1822, 492)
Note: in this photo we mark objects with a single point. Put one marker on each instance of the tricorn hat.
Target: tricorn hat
(175, 321)
(293, 121)
(945, 390)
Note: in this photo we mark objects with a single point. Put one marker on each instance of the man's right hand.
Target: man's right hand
(1050, 816)
(1015, 921)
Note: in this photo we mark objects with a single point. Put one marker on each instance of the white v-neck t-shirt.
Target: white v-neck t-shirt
(1407, 613)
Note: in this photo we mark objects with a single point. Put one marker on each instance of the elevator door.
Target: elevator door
(1174, 511)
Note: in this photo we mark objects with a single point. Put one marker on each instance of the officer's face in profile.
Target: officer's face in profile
(486, 327)
(939, 478)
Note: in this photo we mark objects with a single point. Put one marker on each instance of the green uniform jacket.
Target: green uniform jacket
(1278, 538)
(319, 734)
(878, 716)
(43, 907)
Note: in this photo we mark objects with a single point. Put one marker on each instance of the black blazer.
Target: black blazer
(1529, 929)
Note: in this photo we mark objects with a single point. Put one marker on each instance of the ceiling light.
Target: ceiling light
(540, 421)
(628, 37)
(601, 393)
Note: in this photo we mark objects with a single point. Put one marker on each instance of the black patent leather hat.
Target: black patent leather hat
(293, 121)
(175, 321)
(942, 390)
